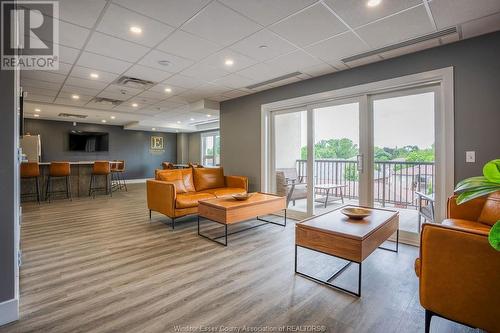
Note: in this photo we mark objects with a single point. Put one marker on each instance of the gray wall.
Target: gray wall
(131, 146)
(477, 103)
(8, 133)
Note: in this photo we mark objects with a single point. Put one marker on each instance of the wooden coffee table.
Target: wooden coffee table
(227, 210)
(336, 235)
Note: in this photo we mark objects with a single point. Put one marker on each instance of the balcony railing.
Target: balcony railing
(394, 182)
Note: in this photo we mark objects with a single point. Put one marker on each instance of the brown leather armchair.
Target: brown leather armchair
(175, 193)
(459, 272)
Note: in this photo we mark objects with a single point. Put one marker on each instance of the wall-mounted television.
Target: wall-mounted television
(88, 141)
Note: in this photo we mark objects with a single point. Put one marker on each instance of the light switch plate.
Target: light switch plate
(470, 156)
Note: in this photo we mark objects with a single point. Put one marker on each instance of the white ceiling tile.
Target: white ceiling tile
(293, 61)
(160, 89)
(356, 12)
(176, 63)
(72, 35)
(115, 47)
(68, 54)
(96, 105)
(84, 83)
(481, 26)
(184, 81)
(68, 95)
(188, 46)
(309, 26)
(43, 76)
(220, 24)
(118, 90)
(84, 73)
(118, 20)
(448, 13)
(39, 98)
(405, 25)
(204, 72)
(84, 13)
(338, 47)
(125, 107)
(25, 82)
(41, 91)
(218, 60)
(173, 12)
(147, 73)
(263, 45)
(70, 101)
(63, 69)
(234, 81)
(262, 72)
(147, 98)
(80, 90)
(169, 104)
(103, 63)
(318, 70)
(266, 12)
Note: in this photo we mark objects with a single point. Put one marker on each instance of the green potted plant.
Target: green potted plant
(476, 187)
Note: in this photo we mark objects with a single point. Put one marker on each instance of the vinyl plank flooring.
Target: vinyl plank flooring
(100, 265)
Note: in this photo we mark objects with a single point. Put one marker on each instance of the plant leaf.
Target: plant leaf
(491, 171)
(494, 236)
(472, 183)
(469, 195)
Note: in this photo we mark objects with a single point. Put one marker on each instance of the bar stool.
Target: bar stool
(120, 169)
(100, 168)
(58, 170)
(31, 170)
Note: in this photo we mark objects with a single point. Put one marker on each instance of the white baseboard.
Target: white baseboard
(135, 181)
(9, 311)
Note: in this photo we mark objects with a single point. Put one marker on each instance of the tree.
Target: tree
(332, 148)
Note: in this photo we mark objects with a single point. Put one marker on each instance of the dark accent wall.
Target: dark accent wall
(128, 145)
(477, 103)
(8, 133)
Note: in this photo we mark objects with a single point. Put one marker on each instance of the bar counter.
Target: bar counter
(81, 172)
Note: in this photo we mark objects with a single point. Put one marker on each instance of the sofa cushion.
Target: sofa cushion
(187, 176)
(225, 191)
(174, 177)
(190, 199)
(208, 178)
(490, 213)
(467, 225)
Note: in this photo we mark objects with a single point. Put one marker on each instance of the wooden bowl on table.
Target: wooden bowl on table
(242, 197)
(356, 213)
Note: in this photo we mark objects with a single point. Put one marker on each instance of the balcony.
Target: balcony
(394, 185)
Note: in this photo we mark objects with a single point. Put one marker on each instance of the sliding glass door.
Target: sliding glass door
(210, 148)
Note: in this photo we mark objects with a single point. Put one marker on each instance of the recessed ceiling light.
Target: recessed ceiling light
(168, 90)
(112, 117)
(209, 115)
(164, 62)
(192, 119)
(263, 47)
(135, 30)
(229, 62)
(153, 129)
(373, 3)
(75, 96)
(103, 121)
(94, 75)
(178, 121)
(135, 105)
(37, 110)
(36, 115)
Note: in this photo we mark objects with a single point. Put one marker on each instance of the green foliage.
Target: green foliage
(351, 173)
(333, 149)
(494, 236)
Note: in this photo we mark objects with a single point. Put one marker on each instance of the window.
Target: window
(210, 148)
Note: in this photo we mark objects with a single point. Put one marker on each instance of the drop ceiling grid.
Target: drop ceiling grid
(218, 91)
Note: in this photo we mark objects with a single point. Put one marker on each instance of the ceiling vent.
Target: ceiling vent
(132, 82)
(72, 115)
(276, 79)
(107, 101)
(413, 41)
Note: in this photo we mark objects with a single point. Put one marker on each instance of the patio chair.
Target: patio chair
(290, 185)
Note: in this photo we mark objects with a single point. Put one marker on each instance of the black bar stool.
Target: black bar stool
(100, 168)
(58, 170)
(31, 170)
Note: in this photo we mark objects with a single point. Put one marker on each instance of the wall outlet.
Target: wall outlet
(470, 156)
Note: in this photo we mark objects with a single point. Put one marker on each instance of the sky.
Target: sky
(398, 121)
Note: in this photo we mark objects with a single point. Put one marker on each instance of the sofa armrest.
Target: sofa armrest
(459, 273)
(470, 210)
(236, 181)
(161, 197)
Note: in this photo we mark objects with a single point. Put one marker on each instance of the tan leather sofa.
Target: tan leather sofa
(175, 193)
(459, 272)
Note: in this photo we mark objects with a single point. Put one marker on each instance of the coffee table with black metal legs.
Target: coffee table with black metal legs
(228, 211)
(336, 235)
